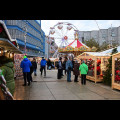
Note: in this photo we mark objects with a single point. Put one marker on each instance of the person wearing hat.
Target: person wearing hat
(83, 70)
(25, 65)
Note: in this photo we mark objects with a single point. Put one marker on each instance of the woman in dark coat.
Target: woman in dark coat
(76, 71)
(34, 65)
(49, 64)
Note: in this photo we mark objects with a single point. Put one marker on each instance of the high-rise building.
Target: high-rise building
(110, 35)
(27, 32)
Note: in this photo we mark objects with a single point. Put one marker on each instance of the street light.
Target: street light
(25, 30)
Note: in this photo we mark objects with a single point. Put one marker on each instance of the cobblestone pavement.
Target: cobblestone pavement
(50, 88)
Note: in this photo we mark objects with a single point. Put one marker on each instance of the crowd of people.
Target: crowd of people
(30, 67)
(69, 65)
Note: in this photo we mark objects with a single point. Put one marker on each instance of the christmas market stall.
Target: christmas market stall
(116, 71)
(96, 62)
(8, 46)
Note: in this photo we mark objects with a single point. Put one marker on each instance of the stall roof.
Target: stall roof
(97, 54)
(110, 50)
(7, 41)
(6, 44)
(94, 54)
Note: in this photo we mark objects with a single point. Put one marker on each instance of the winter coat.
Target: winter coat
(64, 65)
(83, 68)
(8, 73)
(76, 69)
(49, 63)
(25, 65)
(43, 63)
(69, 64)
(59, 64)
(31, 68)
(34, 64)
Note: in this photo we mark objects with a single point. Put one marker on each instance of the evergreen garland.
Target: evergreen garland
(107, 78)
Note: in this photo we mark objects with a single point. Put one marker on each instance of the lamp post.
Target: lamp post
(25, 30)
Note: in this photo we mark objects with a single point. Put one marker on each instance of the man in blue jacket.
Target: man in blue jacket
(43, 66)
(69, 67)
(25, 65)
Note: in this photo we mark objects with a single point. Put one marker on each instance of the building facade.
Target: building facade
(47, 48)
(29, 32)
(110, 35)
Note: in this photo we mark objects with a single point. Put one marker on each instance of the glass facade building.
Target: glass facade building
(35, 36)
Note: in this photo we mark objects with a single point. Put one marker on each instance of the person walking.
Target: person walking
(83, 69)
(64, 65)
(49, 64)
(69, 67)
(76, 71)
(25, 65)
(59, 75)
(43, 66)
(7, 68)
(31, 71)
(34, 64)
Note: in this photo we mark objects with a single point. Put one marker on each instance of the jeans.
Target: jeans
(34, 70)
(68, 75)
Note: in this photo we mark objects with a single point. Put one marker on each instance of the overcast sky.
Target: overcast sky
(82, 25)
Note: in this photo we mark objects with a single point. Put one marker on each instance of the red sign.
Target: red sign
(1, 29)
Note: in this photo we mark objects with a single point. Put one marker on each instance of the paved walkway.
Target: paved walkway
(49, 88)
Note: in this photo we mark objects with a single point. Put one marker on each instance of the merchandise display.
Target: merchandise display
(18, 71)
(117, 70)
(96, 62)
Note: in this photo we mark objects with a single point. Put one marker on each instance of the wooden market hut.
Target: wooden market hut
(8, 46)
(91, 58)
(116, 71)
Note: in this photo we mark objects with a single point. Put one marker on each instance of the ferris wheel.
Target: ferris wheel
(61, 35)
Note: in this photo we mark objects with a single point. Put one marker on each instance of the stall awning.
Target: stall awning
(7, 45)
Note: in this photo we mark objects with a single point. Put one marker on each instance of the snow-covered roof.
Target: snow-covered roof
(97, 53)
(110, 50)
